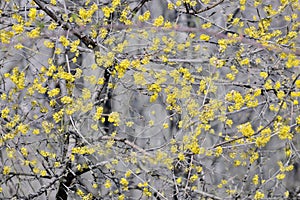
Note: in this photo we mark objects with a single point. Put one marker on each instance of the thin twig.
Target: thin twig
(124, 140)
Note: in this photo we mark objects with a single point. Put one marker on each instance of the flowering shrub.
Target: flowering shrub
(149, 99)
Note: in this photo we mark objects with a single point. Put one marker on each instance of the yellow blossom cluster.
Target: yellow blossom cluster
(223, 43)
(237, 98)
(98, 113)
(264, 138)
(6, 170)
(86, 15)
(158, 21)
(155, 88)
(5, 112)
(124, 182)
(114, 118)
(47, 126)
(246, 129)
(37, 86)
(57, 116)
(17, 77)
(83, 150)
(107, 11)
(54, 92)
(259, 195)
(255, 179)
(174, 65)
(47, 154)
(145, 16)
(124, 16)
(284, 132)
(122, 67)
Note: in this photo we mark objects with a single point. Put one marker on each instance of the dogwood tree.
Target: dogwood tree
(165, 99)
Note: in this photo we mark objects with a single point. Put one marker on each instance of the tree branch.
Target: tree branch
(89, 42)
(125, 141)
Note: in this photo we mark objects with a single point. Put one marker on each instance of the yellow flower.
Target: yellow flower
(53, 92)
(204, 37)
(56, 164)
(98, 113)
(32, 13)
(297, 83)
(230, 76)
(74, 45)
(145, 16)
(165, 125)
(103, 32)
(158, 21)
(254, 157)
(57, 51)
(49, 44)
(280, 176)
(6, 170)
(121, 197)
(100, 81)
(178, 3)
(122, 67)
(255, 179)
(23, 128)
(107, 11)
(259, 195)
(79, 192)
(146, 192)
(170, 6)
(124, 182)
(57, 116)
(277, 85)
(168, 24)
(114, 117)
(43, 173)
(246, 129)
(245, 61)
(19, 46)
(206, 25)
(128, 173)
(194, 178)
(286, 194)
(3, 96)
(52, 26)
(179, 180)
(151, 123)
(265, 137)
(5, 36)
(107, 183)
(66, 100)
(65, 42)
(36, 131)
(295, 94)
(53, 2)
(263, 74)
(5, 112)
(280, 94)
(268, 84)
(219, 151)
(284, 133)
(34, 33)
(181, 156)
(229, 122)
(86, 93)
(129, 123)
(24, 151)
(237, 163)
